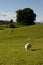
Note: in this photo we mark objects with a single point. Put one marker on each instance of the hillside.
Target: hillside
(12, 51)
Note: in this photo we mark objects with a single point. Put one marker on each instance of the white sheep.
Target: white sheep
(27, 46)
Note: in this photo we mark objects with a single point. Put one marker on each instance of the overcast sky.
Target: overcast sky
(8, 8)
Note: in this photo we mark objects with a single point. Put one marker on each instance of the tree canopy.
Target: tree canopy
(11, 25)
(26, 16)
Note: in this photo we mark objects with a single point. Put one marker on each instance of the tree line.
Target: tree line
(24, 16)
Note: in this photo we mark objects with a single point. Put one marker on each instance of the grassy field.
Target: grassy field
(12, 51)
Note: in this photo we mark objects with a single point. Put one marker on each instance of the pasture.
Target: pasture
(12, 50)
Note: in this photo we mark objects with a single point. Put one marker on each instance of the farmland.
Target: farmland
(12, 51)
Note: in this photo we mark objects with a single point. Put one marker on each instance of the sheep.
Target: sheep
(12, 31)
(27, 46)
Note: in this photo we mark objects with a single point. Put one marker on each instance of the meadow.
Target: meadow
(12, 45)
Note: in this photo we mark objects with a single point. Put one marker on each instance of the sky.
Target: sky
(8, 8)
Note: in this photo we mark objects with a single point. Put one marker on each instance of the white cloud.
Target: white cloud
(7, 16)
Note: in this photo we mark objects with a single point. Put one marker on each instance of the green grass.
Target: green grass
(12, 51)
(18, 24)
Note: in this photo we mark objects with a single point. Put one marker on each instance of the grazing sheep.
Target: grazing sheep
(12, 31)
(29, 39)
(27, 46)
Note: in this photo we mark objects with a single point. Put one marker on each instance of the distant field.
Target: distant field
(12, 51)
(15, 24)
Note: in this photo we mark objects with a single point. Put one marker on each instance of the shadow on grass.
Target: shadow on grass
(36, 49)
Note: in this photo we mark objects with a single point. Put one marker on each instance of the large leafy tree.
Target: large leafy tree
(26, 16)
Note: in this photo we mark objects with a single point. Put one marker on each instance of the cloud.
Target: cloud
(7, 16)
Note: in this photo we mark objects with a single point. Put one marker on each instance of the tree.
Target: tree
(26, 16)
(11, 25)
